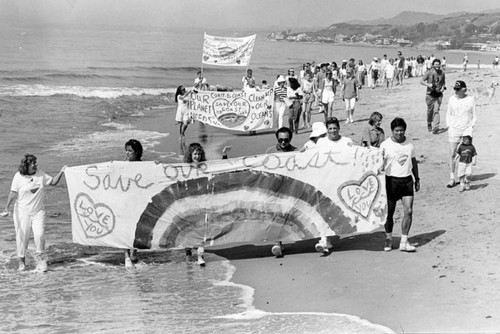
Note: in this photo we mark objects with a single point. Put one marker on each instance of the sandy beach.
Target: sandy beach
(451, 284)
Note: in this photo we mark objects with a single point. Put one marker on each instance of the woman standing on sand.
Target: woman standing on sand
(28, 191)
(182, 116)
(327, 93)
(308, 89)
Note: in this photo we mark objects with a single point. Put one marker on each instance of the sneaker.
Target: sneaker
(322, 248)
(462, 187)
(406, 247)
(128, 263)
(451, 184)
(277, 250)
(388, 245)
(351, 120)
(42, 267)
(22, 266)
(467, 185)
(201, 260)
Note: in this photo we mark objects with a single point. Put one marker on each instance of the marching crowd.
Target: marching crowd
(295, 96)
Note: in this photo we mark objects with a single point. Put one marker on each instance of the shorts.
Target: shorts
(398, 187)
(454, 135)
(464, 169)
(308, 98)
(328, 96)
(350, 103)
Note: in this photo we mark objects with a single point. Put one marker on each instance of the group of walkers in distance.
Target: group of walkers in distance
(296, 95)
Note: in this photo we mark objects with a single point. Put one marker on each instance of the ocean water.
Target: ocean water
(74, 95)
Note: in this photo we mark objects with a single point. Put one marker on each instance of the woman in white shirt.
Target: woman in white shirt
(28, 191)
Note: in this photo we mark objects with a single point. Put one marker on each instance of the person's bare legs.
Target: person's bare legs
(453, 150)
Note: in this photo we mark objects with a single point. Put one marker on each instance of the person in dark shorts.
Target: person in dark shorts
(399, 164)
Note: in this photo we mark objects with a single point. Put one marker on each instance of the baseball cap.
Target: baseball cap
(459, 84)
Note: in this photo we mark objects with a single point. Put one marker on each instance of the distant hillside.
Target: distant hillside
(479, 31)
(406, 18)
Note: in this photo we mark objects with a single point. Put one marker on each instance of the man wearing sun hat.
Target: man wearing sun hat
(318, 131)
(460, 118)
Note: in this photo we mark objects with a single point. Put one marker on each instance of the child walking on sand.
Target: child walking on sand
(467, 155)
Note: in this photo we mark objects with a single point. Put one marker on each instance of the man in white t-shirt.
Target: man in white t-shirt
(460, 118)
(399, 164)
(333, 140)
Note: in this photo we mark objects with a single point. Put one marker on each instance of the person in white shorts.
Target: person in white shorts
(327, 93)
(28, 188)
(460, 118)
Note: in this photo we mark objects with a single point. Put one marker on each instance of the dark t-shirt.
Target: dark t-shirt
(436, 79)
(466, 153)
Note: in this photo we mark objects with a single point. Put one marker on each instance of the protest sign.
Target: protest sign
(239, 111)
(260, 199)
(227, 51)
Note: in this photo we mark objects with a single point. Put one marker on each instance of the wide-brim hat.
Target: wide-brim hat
(318, 129)
(281, 79)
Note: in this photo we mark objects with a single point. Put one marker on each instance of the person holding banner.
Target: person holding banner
(284, 137)
(334, 140)
(295, 94)
(196, 155)
(200, 83)
(399, 164)
(247, 78)
(28, 193)
(182, 115)
(133, 152)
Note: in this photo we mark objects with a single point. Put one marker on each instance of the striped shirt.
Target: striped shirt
(279, 93)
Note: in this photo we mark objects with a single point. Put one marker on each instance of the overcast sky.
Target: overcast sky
(221, 13)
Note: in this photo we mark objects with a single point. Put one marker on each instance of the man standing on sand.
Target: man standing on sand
(461, 119)
(434, 80)
(400, 68)
(284, 137)
(401, 176)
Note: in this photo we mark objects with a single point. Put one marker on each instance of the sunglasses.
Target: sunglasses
(283, 140)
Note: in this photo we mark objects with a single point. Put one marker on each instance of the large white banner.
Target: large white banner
(239, 110)
(227, 51)
(260, 199)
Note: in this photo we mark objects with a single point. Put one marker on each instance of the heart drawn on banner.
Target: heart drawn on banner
(231, 113)
(359, 196)
(96, 219)
(205, 58)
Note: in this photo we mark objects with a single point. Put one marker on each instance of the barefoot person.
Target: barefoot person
(460, 119)
(434, 80)
(28, 191)
(399, 164)
(182, 115)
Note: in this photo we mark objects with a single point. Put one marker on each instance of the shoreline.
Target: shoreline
(452, 282)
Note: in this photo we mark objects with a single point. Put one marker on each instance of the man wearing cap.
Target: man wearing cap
(279, 102)
(284, 138)
(400, 68)
(434, 80)
(461, 119)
